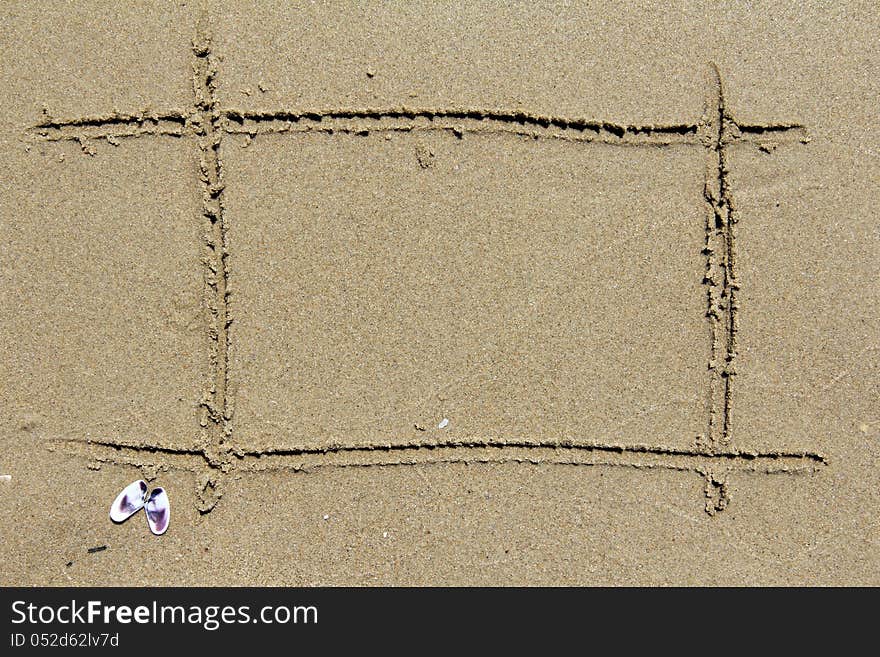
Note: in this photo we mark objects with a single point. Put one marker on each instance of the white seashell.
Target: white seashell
(443, 423)
(129, 501)
(158, 510)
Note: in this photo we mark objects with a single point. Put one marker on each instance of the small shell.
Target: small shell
(158, 511)
(129, 501)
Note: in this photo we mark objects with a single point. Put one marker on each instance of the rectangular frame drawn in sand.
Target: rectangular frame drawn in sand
(712, 453)
(517, 288)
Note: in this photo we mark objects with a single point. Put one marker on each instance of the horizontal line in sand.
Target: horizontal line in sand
(115, 119)
(129, 132)
(458, 451)
(402, 119)
(458, 122)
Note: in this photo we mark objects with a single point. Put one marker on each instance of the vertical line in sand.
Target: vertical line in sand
(217, 402)
(721, 280)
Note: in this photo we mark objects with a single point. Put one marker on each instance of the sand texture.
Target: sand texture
(441, 293)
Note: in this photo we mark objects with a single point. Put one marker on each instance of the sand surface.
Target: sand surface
(441, 293)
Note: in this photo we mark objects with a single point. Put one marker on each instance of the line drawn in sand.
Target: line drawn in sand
(207, 121)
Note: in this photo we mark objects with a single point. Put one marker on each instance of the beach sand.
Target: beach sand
(441, 293)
